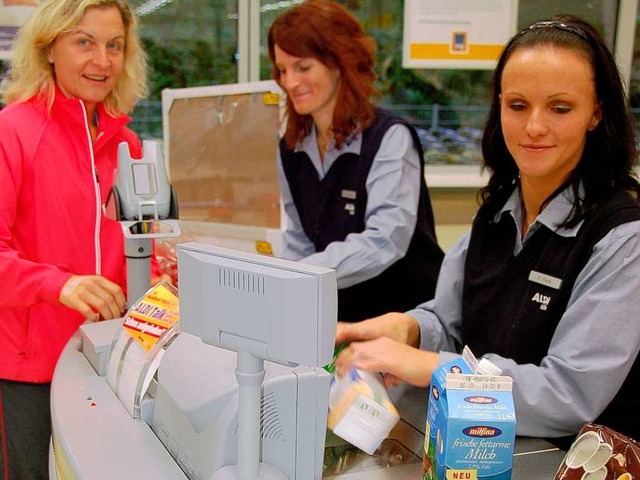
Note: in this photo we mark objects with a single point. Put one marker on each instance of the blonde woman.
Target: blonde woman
(77, 70)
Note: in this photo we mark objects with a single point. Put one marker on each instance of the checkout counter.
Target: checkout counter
(95, 437)
(182, 424)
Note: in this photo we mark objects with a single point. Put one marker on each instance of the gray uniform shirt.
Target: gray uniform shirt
(393, 189)
(594, 345)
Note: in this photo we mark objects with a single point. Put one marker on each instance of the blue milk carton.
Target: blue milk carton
(471, 425)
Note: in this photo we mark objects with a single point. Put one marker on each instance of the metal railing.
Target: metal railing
(147, 117)
(450, 135)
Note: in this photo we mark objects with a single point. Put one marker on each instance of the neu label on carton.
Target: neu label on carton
(471, 424)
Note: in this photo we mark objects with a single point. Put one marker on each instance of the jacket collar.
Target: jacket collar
(73, 111)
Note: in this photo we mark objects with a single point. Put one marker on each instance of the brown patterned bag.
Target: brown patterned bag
(599, 453)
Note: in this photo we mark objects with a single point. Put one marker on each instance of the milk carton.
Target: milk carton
(471, 424)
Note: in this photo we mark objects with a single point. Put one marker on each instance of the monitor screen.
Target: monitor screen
(276, 309)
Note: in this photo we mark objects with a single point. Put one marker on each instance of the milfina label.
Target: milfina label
(480, 431)
(470, 428)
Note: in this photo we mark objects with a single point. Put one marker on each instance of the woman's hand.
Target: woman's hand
(398, 326)
(386, 344)
(395, 360)
(93, 296)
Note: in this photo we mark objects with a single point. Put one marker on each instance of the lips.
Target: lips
(299, 96)
(96, 78)
(536, 148)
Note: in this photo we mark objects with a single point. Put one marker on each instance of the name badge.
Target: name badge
(349, 194)
(544, 279)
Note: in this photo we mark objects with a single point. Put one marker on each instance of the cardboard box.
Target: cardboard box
(471, 425)
(221, 144)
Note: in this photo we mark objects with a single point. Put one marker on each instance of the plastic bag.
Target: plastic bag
(600, 453)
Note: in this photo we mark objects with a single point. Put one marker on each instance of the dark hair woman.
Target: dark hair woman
(544, 284)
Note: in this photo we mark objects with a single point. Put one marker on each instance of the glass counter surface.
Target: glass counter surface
(396, 459)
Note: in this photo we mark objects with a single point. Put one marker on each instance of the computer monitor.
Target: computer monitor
(285, 309)
(264, 308)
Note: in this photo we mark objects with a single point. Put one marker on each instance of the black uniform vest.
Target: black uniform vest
(332, 208)
(505, 312)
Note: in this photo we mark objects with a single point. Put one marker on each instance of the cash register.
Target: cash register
(236, 390)
(189, 423)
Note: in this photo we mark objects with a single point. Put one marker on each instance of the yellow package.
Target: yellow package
(360, 410)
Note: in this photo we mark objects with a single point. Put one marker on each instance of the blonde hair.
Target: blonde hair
(31, 74)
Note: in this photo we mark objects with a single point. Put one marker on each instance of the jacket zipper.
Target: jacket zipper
(96, 188)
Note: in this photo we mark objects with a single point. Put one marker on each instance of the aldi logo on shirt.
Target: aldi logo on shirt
(542, 300)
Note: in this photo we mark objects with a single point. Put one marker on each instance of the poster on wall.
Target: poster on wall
(457, 34)
(13, 14)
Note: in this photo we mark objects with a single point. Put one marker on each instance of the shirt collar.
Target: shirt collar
(309, 145)
(555, 213)
(311, 141)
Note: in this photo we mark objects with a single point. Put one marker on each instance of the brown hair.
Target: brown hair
(326, 31)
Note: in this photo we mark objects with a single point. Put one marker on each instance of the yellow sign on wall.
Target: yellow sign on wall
(464, 34)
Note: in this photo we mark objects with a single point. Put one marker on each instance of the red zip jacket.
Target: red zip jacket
(52, 187)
